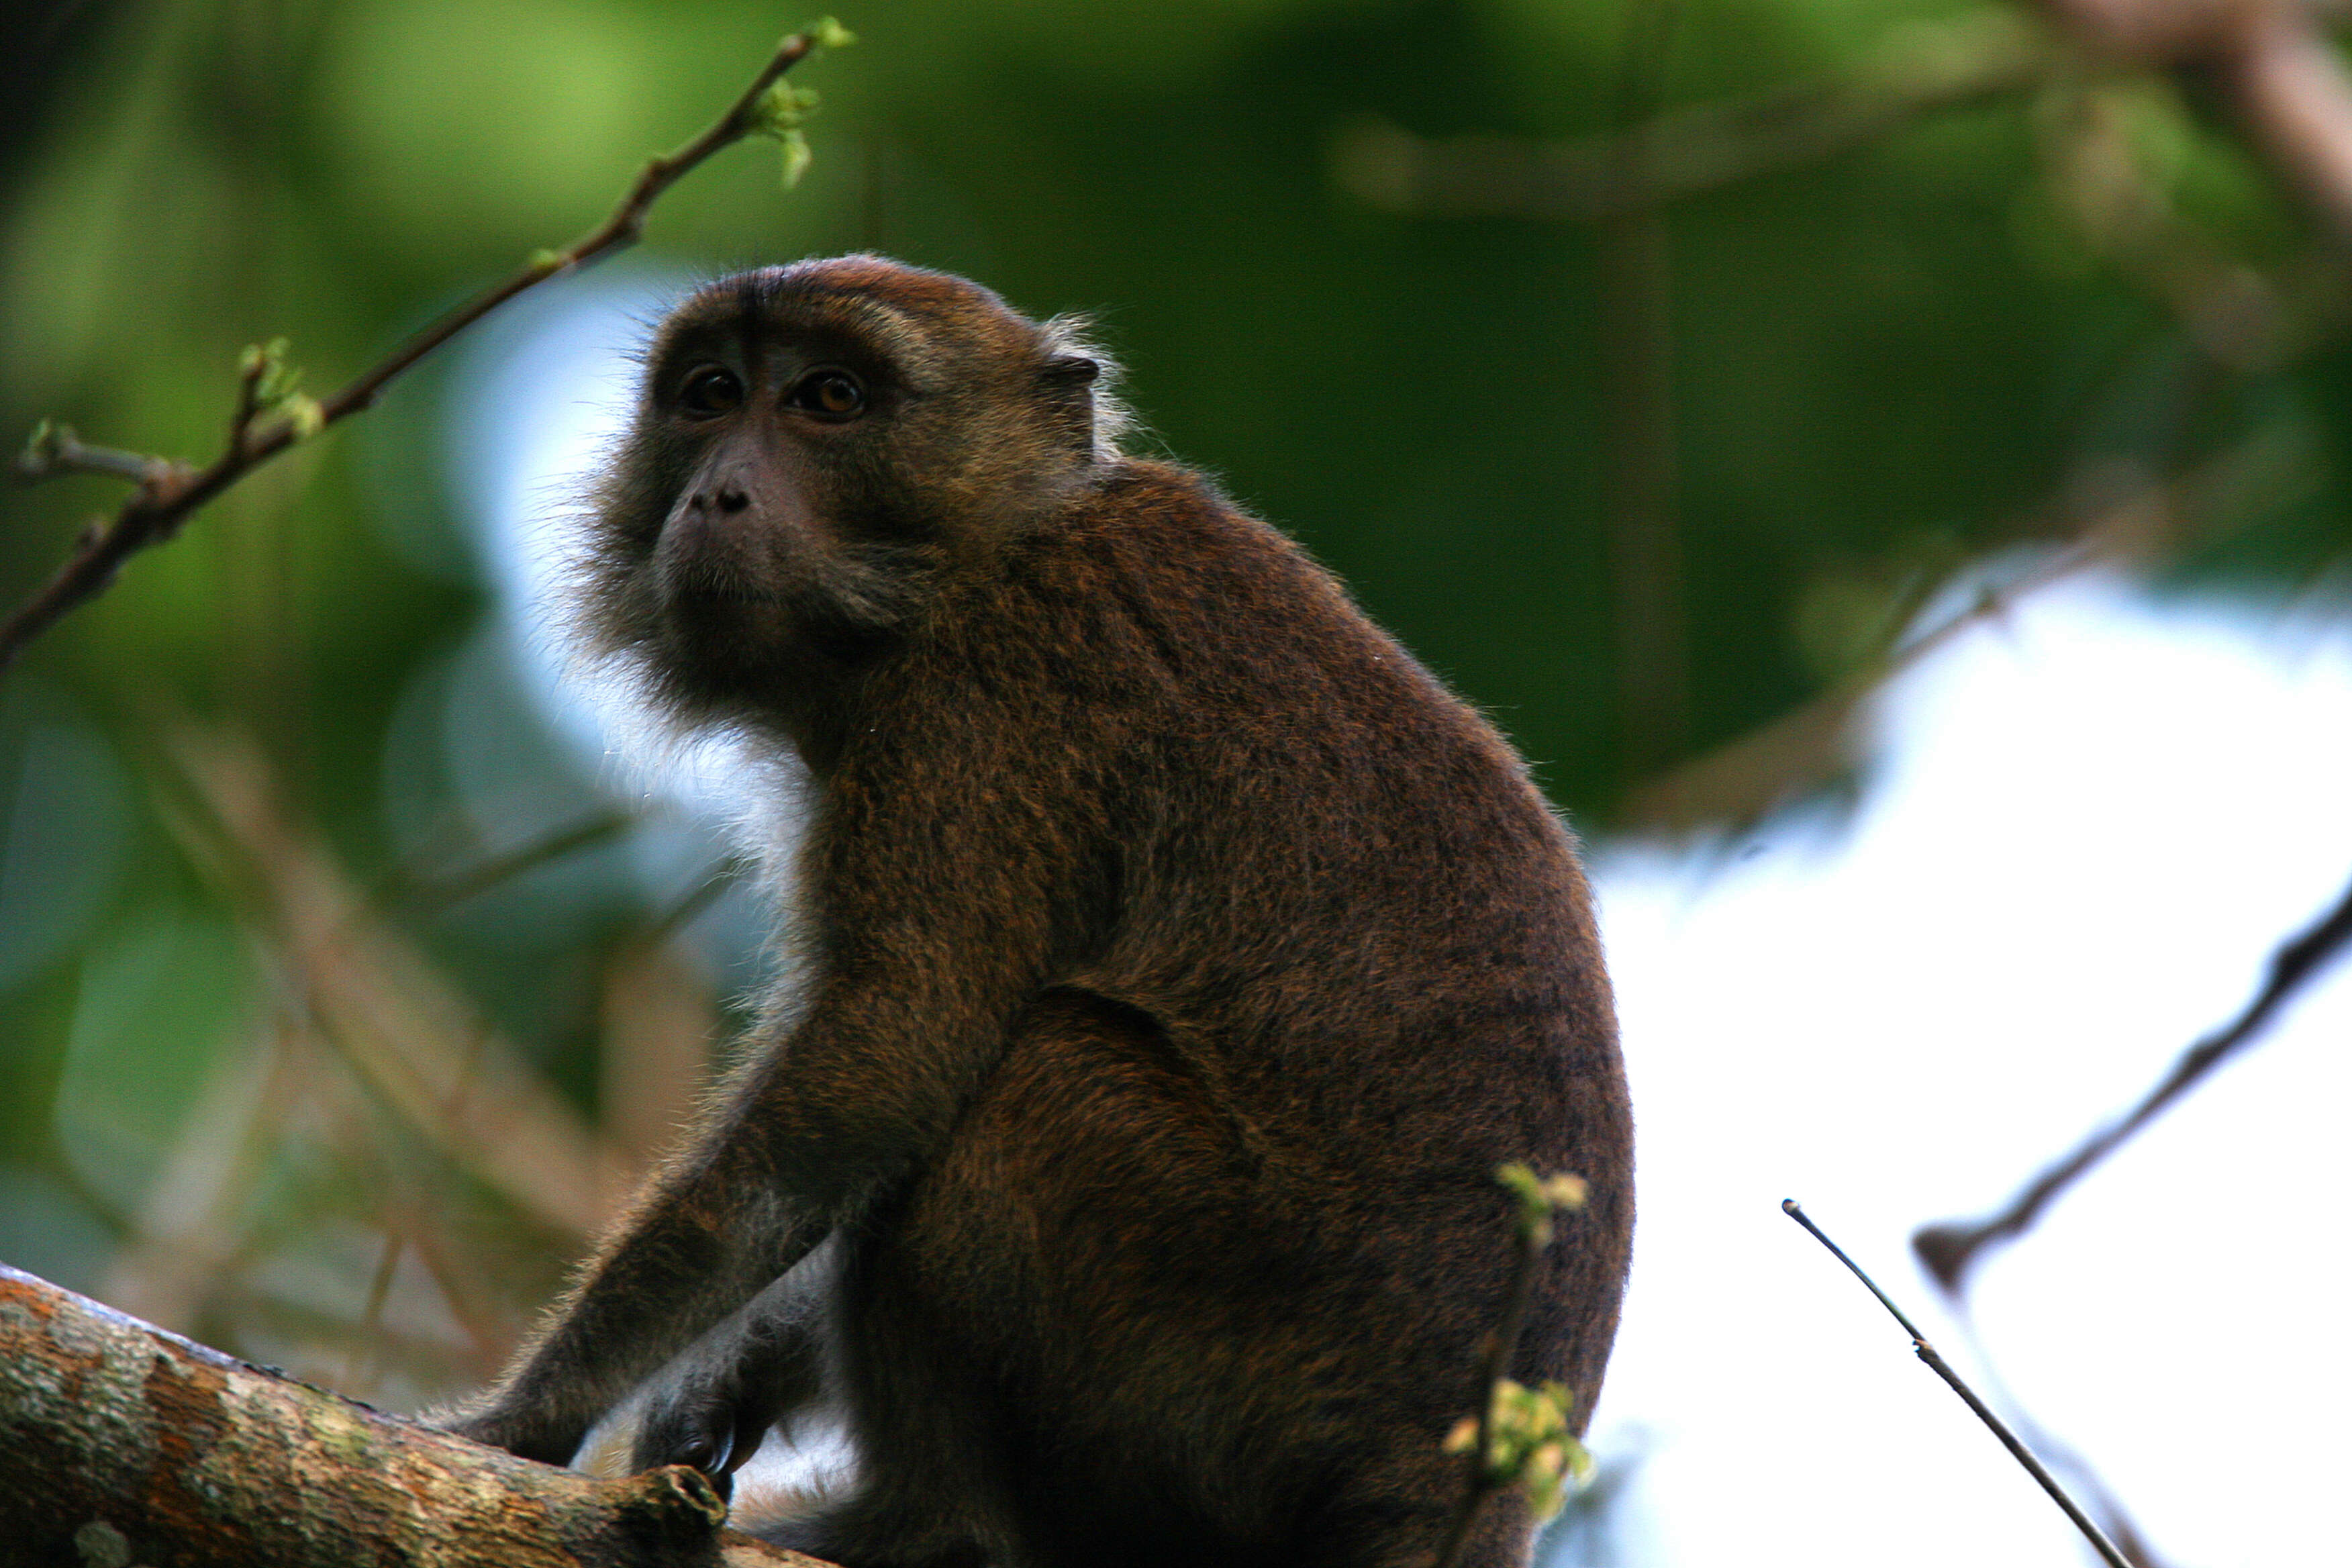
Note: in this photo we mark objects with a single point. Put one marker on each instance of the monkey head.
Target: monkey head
(815, 448)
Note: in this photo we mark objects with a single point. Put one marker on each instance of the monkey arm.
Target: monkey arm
(690, 1250)
(934, 937)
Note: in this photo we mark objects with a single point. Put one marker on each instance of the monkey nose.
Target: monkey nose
(726, 498)
(724, 492)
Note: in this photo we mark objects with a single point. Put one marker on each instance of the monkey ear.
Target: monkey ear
(1067, 383)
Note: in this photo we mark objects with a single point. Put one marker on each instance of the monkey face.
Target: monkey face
(815, 448)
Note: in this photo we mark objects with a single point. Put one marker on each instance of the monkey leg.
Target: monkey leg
(1126, 1319)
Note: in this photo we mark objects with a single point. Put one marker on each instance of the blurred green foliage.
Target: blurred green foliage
(1884, 364)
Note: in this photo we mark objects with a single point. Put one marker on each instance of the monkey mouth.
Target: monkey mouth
(711, 594)
(706, 582)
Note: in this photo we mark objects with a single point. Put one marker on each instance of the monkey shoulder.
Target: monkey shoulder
(1229, 677)
(1240, 622)
(1156, 555)
(1176, 525)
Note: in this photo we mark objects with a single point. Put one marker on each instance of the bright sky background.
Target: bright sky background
(2085, 828)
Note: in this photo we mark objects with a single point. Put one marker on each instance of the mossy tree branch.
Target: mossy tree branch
(120, 1444)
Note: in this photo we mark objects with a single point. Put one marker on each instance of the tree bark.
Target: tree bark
(121, 1445)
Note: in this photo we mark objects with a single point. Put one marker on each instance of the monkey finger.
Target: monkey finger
(752, 1419)
(708, 1452)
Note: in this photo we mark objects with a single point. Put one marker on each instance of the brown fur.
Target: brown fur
(1184, 959)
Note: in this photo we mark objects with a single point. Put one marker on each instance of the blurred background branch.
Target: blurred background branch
(2089, 79)
(1951, 1251)
(1688, 151)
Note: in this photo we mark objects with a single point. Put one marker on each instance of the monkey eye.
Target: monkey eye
(829, 395)
(710, 392)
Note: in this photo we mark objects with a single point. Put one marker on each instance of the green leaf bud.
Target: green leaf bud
(796, 157)
(304, 416)
(782, 108)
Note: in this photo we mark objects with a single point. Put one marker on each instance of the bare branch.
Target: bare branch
(55, 451)
(2292, 94)
(2275, 61)
(2098, 1499)
(1949, 1250)
(432, 894)
(2106, 1548)
(2104, 518)
(1685, 153)
(363, 988)
(1643, 471)
(125, 1443)
(2286, 81)
(169, 494)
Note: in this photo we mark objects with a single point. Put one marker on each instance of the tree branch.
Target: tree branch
(1949, 1250)
(169, 493)
(2097, 519)
(123, 1443)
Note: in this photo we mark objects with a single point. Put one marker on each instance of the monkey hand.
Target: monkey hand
(714, 1404)
(703, 1424)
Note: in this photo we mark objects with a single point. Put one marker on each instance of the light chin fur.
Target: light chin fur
(758, 791)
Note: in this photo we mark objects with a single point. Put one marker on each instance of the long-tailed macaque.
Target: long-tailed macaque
(1179, 961)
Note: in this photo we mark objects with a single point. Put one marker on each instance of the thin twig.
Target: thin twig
(1949, 1250)
(689, 905)
(1500, 1343)
(2098, 1497)
(369, 1332)
(361, 988)
(2271, 66)
(169, 493)
(431, 895)
(1539, 1201)
(54, 451)
(250, 371)
(2106, 1548)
